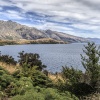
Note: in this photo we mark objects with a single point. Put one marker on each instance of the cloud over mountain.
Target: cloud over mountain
(76, 17)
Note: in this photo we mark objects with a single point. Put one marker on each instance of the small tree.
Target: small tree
(72, 76)
(91, 64)
(7, 59)
(30, 60)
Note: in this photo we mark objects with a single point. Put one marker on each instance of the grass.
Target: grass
(56, 77)
(13, 68)
(10, 68)
(37, 41)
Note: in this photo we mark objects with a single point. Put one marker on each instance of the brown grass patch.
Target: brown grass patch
(10, 68)
(56, 77)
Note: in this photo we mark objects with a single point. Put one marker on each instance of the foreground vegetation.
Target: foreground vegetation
(30, 81)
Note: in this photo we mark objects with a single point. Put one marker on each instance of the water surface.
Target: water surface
(53, 55)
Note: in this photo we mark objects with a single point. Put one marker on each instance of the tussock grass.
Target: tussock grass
(37, 41)
(10, 68)
(56, 77)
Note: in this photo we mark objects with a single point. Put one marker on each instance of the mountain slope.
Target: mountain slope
(96, 40)
(64, 37)
(13, 31)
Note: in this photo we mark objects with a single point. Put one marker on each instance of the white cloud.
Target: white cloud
(4, 3)
(86, 26)
(11, 15)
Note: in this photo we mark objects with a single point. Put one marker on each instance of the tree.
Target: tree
(71, 75)
(7, 59)
(30, 60)
(73, 81)
(91, 64)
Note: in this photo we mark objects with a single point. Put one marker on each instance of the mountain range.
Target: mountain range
(96, 40)
(10, 30)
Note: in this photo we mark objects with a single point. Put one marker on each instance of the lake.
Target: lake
(53, 55)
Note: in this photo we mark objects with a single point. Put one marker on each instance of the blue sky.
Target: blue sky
(75, 17)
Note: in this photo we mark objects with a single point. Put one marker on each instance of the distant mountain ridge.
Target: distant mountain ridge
(10, 30)
(96, 40)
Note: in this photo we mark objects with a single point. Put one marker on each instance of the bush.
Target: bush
(40, 79)
(5, 78)
(71, 75)
(7, 59)
(38, 93)
(81, 89)
(19, 87)
(30, 60)
(91, 64)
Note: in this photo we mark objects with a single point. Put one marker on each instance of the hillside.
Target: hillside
(96, 40)
(10, 30)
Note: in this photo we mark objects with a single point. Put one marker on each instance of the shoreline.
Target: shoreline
(37, 41)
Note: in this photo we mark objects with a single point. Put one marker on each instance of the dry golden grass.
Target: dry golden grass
(56, 77)
(10, 68)
(37, 41)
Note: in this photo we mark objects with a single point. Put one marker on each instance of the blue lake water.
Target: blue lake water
(53, 55)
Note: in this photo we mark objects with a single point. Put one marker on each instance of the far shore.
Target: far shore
(37, 41)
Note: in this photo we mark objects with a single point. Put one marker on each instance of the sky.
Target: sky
(75, 17)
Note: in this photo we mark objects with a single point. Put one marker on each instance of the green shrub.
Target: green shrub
(30, 60)
(40, 79)
(71, 75)
(19, 86)
(91, 63)
(38, 93)
(5, 78)
(7, 59)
